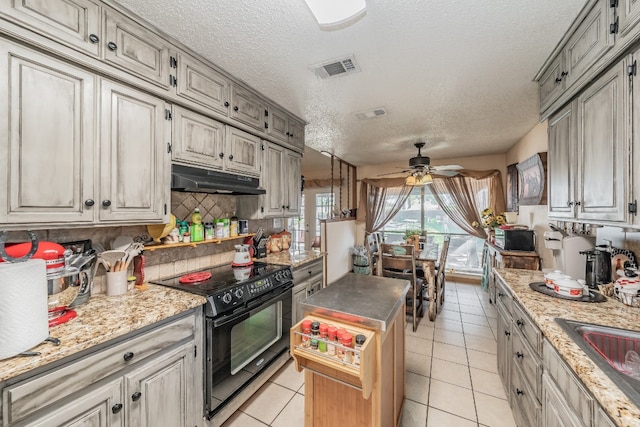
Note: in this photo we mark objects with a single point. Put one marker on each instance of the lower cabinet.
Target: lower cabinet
(308, 279)
(152, 379)
(556, 411)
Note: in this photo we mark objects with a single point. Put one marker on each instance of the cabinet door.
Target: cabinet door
(590, 41)
(48, 139)
(629, 12)
(315, 285)
(561, 162)
(197, 139)
(135, 49)
(635, 138)
(299, 294)
(551, 85)
(602, 149)
(102, 407)
(293, 183)
(247, 107)
(504, 346)
(134, 158)
(296, 133)
(278, 124)
(75, 23)
(273, 180)
(202, 84)
(158, 392)
(242, 152)
(556, 413)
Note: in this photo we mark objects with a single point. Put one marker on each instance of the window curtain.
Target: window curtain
(464, 196)
(380, 200)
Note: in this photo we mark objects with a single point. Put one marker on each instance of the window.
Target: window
(297, 228)
(324, 204)
(422, 213)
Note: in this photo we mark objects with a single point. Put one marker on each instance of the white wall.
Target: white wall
(338, 237)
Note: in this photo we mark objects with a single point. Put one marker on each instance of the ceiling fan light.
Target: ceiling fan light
(418, 180)
(333, 14)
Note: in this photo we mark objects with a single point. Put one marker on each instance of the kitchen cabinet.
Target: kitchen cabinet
(629, 15)
(284, 127)
(596, 180)
(632, 64)
(307, 279)
(152, 378)
(136, 49)
(292, 183)
(198, 82)
(500, 258)
(197, 139)
(504, 346)
(243, 152)
(48, 129)
(247, 107)
(556, 411)
(134, 157)
(75, 23)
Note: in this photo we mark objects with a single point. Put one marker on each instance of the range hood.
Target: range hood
(198, 180)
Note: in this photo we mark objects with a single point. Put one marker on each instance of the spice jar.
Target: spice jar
(331, 339)
(186, 237)
(346, 341)
(314, 343)
(306, 330)
(209, 231)
(322, 344)
(360, 339)
(315, 328)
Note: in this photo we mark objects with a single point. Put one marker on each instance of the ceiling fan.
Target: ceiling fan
(421, 170)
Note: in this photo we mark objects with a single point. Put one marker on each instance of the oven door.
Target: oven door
(242, 344)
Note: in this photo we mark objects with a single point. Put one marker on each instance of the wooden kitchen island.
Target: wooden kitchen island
(339, 392)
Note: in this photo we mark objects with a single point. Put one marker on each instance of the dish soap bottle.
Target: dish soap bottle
(197, 229)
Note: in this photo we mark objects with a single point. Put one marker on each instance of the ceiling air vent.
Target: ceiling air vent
(336, 67)
(371, 114)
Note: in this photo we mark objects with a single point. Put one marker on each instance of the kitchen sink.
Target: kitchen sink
(607, 347)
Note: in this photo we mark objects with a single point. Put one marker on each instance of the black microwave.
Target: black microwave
(515, 240)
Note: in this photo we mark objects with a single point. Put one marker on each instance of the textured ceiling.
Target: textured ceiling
(456, 74)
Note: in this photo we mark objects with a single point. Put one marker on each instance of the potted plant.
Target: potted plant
(490, 221)
(412, 237)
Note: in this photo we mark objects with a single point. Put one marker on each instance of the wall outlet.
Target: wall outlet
(277, 223)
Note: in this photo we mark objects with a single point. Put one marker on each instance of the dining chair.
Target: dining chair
(399, 262)
(440, 268)
(373, 252)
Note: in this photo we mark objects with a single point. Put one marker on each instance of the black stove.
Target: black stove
(230, 288)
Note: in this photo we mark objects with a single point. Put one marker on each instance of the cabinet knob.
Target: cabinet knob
(282, 206)
(128, 356)
(507, 333)
(231, 157)
(226, 103)
(564, 74)
(287, 206)
(291, 134)
(577, 203)
(112, 46)
(136, 396)
(221, 155)
(288, 133)
(93, 38)
(519, 354)
(116, 408)
(500, 294)
(235, 108)
(106, 203)
(89, 202)
(569, 203)
(558, 79)
(519, 392)
(520, 323)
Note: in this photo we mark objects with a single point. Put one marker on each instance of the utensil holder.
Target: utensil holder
(116, 282)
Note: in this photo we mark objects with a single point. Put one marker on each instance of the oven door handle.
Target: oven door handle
(244, 314)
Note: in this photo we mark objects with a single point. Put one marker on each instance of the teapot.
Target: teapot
(242, 257)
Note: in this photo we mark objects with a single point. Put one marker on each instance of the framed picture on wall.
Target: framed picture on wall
(512, 188)
(532, 180)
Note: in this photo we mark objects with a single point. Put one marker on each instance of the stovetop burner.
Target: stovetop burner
(228, 287)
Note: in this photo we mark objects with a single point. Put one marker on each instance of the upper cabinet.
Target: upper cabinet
(563, 139)
(247, 107)
(75, 23)
(629, 12)
(282, 126)
(243, 152)
(197, 139)
(130, 46)
(200, 83)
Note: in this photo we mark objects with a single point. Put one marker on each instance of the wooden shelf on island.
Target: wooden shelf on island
(194, 244)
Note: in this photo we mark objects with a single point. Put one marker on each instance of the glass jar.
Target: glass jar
(233, 227)
(331, 339)
(209, 231)
(322, 344)
(346, 341)
(360, 339)
(219, 228)
(306, 330)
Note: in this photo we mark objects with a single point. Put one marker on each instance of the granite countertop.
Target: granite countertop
(102, 319)
(370, 301)
(292, 258)
(543, 309)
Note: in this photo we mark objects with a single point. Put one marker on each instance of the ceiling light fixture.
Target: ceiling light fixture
(417, 180)
(336, 14)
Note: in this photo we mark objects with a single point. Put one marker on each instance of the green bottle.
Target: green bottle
(197, 229)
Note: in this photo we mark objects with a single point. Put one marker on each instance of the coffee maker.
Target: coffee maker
(598, 266)
(567, 252)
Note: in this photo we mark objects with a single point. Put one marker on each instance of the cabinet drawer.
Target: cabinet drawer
(577, 397)
(31, 395)
(529, 332)
(503, 297)
(528, 361)
(307, 271)
(359, 376)
(524, 404)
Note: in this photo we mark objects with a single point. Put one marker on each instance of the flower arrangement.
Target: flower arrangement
(490, 219)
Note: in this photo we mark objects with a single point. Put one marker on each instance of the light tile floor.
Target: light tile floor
(451, 379)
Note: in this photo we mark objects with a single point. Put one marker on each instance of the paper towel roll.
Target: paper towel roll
(23, 306)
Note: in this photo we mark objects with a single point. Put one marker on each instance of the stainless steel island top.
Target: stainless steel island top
(369, 301)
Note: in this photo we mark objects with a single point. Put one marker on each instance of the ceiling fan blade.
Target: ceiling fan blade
(396, 173)
(447, 167)
(444, 173)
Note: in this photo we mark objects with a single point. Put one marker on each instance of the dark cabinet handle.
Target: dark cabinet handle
(288, 133)
(116, 408)
(136, 396)
(519, 392)
(226, 103)
(128, 356)
(106, 203)
(577, 203)
(500, 294)
(287, 206)
(507, 333)
(291, 134)
(93, 38)
(558, 79)
(89, 203)
(564, 74)
(235, 108)
(520, 323)
(112, 46)
(519, 355)
(221, 155)
(569, 203)
(231, 157)
(282, 206)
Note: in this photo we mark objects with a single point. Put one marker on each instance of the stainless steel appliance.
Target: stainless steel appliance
(598, 267)
(515, 240)
(247, 322)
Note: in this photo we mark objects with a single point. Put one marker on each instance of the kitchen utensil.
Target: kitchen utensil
(242, 257)
(570, 288)
(109, 258)
(116, 282)
(158, 231)
(121, 243)
(193, 278)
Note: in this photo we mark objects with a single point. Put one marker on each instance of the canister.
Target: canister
(243, 224)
